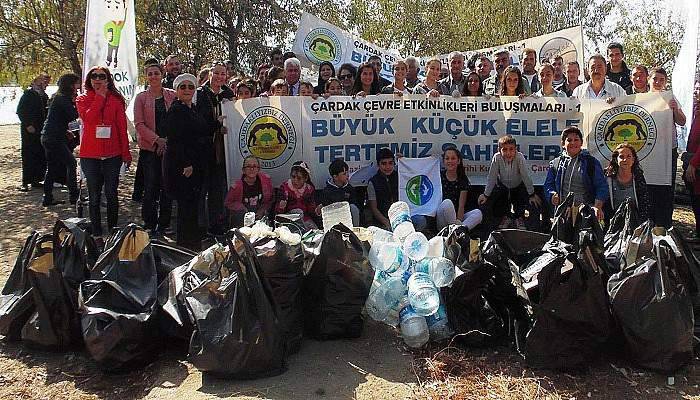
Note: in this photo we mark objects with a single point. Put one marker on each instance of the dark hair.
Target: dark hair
(658, 70)
(246, 83)
(598, 57)
(288, 54)
(321, 81)
(152, 62)
(357, 85)
(351, 68)
(471, 63)
(169, 57)
(460, 166)
(110, 82)
(374, 57)
(521, 86)
(66, 82)
(568, 131)
(262, 66)
(384, 153)
(273, 74)
(642, 67)
(328, 83)
(337, 166)
(616, 45)
(307, 84)
(465, 90)
(506, 139)
(613, 166)
(275, 51)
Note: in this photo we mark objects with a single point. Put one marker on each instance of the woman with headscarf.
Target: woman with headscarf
(104, 146)
(325, 71)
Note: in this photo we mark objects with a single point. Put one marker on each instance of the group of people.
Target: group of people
(180, 131)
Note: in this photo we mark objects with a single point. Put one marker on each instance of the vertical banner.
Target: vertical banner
(687, 66)
(110, 41)
(420, 185)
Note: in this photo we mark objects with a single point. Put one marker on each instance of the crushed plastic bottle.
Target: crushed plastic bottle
(438, 325)
(415, 246)
(414, 328)
(400, 219)
(383, 298)
(385, 256)
(422, 294)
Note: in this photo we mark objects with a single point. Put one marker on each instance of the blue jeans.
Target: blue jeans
(100, 173)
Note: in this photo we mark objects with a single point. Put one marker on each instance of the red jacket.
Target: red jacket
(694, 146)
(96, 110)
(234, 198)
(145, 116)
(305, 202)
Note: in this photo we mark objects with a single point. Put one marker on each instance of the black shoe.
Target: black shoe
(37, 185)
(23, 188)
(51, 202)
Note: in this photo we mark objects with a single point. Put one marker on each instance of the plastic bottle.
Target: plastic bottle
(414, 329)
(438, 325)
(385, 256)
(336, 213)
(436, 247)
(415, 246)
(381, 235)
(422, 294)
(441, 271)
(249, 218)
(400, 219)
(384, 297)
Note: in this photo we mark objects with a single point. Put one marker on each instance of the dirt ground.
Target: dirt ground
(375, 366)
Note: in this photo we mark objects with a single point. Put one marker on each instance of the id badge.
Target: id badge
(103, 132)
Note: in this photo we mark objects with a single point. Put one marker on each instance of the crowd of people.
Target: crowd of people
(180, 131)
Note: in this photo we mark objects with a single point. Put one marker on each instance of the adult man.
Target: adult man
(173, 68)
(529, 60)
(483, 67)
(573, 70)
(292, 73)
(617, 69)
(455, 80)
(276, 58)
(376, 63)
(31, 111)
(599, 87)
(412, 72)
(492, 84)
(559, 79)
(640, 80)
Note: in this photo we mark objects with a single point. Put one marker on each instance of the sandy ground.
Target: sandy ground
(375, 366)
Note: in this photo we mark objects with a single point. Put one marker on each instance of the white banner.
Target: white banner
(687, 66)
(281, 130)
(110, 41)
(420, 185)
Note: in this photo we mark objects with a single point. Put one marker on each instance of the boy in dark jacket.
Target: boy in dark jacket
(339, 189)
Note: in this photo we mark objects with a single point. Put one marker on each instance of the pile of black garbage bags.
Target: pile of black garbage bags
(238, 309)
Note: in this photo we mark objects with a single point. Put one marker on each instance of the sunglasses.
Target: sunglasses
(344, 77)
(184, 86)
(98, 76)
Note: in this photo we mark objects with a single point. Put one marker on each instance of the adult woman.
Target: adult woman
(104, 145)
(366, 81)
(662, 195)
(626, 180)
(512, 83)
(325, 71)
(150, 108)
(346, 74)
(251, 193)
(455, 186)
(432, 75)
(473, 87)
(185, 162)
(208, 105)
(399, 86)
(59, 156)
(546, 80)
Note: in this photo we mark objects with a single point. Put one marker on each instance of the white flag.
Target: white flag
(420, 185)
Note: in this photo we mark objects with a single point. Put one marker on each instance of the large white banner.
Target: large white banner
(687, 66)
(281, 130)
(110, 41)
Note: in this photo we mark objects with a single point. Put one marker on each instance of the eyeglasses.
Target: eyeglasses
(184, 86)
(344, 77)
(251, 167)
(98, 76)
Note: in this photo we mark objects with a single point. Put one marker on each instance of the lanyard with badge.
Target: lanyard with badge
(103, 131)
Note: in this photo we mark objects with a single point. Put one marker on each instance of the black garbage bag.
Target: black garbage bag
(570, 221)
(563, 221)
(168, 257)
(570, 312)
(54, 325)
(619, 233)
(654, 309)
(641, 244)
(282, 265)
(237, 331)
(118, 303)
(336, 287)
(172, 262)
(16, 302)
(75, 253)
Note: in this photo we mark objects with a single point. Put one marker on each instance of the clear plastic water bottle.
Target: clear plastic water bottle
(422, 294)
(249, 218)
(385, 256)
(436, 247)
(384, 297)
(414, 328)
(438, 325)
(400, 219)
(336, 213)
(441, 271)
(381, 235)
(415, 246)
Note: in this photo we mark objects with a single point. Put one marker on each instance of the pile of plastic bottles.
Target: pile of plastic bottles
(409, 270)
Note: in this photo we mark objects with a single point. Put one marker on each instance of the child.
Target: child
(339, 189)
(576, 171)
(508, 184)
(244, 90)
(333, 87)
(297, 194)
(253, 192)
(279, 88)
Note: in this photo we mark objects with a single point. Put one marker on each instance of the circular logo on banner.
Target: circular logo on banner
(321, 44)
(419, 190)
(268, 134)
(627, 123)
(559, 46)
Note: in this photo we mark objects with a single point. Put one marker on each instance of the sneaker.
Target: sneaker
(505, 223)
(520, 223)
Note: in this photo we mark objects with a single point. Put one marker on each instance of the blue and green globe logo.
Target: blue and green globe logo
(419, 190)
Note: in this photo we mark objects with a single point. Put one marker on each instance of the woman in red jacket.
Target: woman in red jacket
(104, 145)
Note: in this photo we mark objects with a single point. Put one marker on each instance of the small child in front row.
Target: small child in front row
(339, 189)
(508, 184)
(297, 194)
